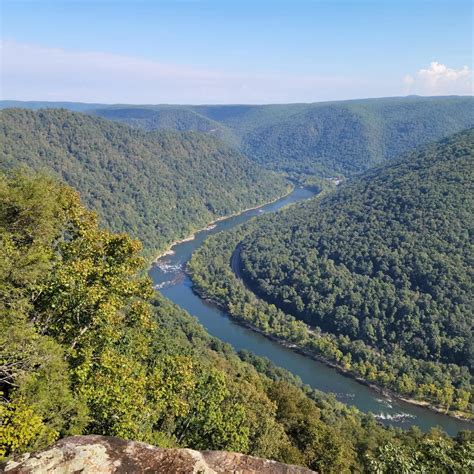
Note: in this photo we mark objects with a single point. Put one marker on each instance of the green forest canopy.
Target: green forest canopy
(157, 186)
(366, 268)
(326, 139)
(386, 259)
(75, 311)
(85, 347)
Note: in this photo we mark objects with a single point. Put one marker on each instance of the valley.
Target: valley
(169, 273)
(279, 312)
(236, 237)
(157, 186)
(340, 138)
(74, 288)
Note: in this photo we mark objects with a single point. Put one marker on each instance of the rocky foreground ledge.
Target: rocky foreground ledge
(104, 454)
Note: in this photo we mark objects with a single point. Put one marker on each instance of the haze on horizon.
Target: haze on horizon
(206, 51)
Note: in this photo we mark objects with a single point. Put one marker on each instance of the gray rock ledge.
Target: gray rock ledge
(103, 455)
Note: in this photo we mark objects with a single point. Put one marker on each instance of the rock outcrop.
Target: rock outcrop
(103, 454)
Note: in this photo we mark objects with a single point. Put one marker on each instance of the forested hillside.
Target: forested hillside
(386, 259)
(326, 139)
(171, 117)
(344, 138)
(85, 347)
(380, 269)
(157, 186)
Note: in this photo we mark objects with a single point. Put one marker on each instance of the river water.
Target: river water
(170, 279)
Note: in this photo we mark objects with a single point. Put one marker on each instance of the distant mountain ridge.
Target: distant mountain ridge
(325, 139)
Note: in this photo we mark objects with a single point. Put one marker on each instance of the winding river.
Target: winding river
(169, 277)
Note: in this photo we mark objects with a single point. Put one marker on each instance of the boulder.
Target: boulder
(103, 454)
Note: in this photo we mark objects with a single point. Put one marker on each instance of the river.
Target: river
(170, 279)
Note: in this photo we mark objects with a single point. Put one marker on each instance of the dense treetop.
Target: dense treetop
(85, 347)
(345, 138)
(158, 186)
(386, 259)
(380, 269)
(216, 276)
(385, 263)
(169, 117)
(327, 139)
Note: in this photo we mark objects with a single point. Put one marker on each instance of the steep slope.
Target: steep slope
(344, 138)
(381, 269)
(332, 138)
(164, 117)
(386, 259)
(157, 186)
(326, 139)
(87, 348)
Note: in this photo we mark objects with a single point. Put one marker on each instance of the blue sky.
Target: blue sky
(208, 51)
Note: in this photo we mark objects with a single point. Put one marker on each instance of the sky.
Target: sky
(233, 51)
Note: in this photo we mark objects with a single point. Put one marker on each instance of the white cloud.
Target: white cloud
(439, 79)
(33, 72)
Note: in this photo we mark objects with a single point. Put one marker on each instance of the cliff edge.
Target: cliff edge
(104, 454)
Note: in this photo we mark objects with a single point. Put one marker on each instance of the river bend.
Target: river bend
(171, 280)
